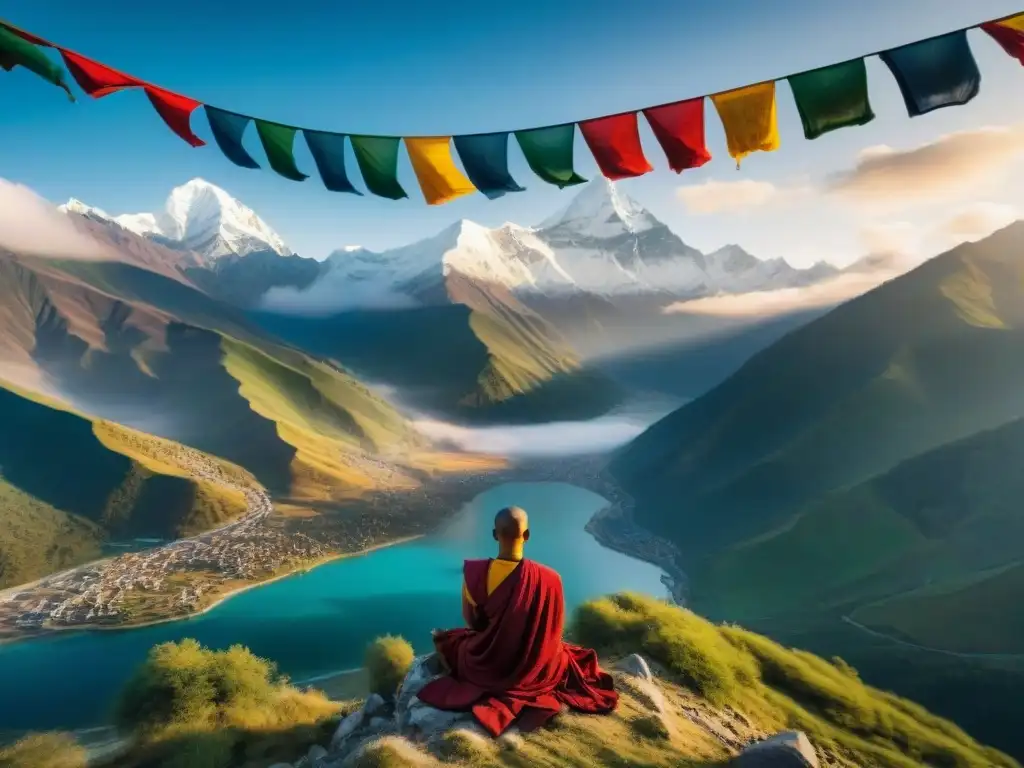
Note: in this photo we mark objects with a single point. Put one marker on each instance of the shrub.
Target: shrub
(388, 658)
(690, 647)
(184, 683)
(44, 750)
(192, 707)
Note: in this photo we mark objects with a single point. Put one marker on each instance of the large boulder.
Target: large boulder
(415, 719)
(788, 749)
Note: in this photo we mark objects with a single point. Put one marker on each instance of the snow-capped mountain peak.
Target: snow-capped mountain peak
(74, 205)
(201, 217)
(601, 209)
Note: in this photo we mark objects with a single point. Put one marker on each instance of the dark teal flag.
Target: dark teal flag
(485, 158)
(832, 97)
(935, 73)
(328, 150)
(227, 129)
(549, 153)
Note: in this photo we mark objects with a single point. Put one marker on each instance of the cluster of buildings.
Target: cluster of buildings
(181, 572)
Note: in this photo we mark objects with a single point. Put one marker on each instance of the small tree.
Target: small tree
(186, 684)
(388, 659)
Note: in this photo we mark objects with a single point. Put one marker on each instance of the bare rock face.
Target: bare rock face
(788, 749)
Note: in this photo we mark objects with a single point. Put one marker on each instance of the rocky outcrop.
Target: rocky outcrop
(406, 731)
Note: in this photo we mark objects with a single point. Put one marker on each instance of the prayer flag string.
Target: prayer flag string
(933, 73)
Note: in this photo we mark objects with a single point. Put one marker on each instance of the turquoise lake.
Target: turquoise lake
(320, 621)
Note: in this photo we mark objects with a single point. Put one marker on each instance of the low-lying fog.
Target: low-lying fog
(556, 438)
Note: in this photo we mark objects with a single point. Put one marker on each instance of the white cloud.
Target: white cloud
(783, 301)
(553, 439)
(889, 238)
(30, 225)
(949, 166)
(980, 220)
(727, 196)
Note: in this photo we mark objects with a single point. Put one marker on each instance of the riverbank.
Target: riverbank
(383, 519)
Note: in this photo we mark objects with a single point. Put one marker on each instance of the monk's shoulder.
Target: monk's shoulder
(547, 573)
(473, 567)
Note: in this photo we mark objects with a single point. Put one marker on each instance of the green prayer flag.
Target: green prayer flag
(549, 153)
(377, 157)
(278, 142)
(15, 50)
(832, 97)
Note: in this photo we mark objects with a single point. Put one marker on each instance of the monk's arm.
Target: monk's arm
(471, 614)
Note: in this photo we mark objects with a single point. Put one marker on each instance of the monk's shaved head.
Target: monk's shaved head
(511, 524)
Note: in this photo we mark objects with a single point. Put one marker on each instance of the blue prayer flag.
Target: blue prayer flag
(328, 150)
(485, 158)
(227, 129)
(935, 73)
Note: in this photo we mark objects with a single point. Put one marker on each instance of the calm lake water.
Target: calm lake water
(321, 621)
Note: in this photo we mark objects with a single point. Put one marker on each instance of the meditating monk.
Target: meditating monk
(510, 663)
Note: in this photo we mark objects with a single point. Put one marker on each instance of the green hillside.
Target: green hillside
(68, 484)
(942, 527)
(141, 348)
(854, 488)
(925, 359)
(716, 690)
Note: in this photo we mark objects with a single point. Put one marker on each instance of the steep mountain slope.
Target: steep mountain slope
(483, 356)
(927, 358)
(903, 549)
(155, 353)
(69, 483)
(779, 486)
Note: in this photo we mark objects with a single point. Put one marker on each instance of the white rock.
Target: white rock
(346, 728)
(788, 749)
(635, 665)
(373, 705)
(315, 755)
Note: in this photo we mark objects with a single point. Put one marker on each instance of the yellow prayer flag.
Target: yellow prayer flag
(1016, 22)
(439, 178)
(748, 116)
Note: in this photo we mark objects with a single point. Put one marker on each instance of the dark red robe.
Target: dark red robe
(513, 666)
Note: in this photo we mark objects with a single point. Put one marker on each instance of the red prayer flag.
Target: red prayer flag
(97, 79)
(100, 80)
(175, 110)
(679, 128)
(615, 144)
(1010, 39)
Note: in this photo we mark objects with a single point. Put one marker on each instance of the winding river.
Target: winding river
(320, 621)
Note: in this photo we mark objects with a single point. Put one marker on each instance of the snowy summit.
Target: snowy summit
(201, 217)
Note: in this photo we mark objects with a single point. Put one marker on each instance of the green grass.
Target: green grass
(758, 676)
(980, 616)
(190, 706)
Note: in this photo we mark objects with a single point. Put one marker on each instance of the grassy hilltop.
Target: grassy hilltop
(722, 686)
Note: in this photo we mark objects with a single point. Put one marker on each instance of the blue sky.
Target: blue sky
(403, 67)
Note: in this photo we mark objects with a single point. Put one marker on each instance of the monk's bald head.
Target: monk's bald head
(511, 524)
